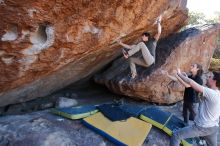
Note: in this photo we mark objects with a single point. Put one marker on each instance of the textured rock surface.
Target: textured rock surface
(44, 129)
(179, 50)
(46, 45)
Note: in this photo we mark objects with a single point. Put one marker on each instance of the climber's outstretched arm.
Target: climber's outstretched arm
(176, 78)
(123, 44)
(189, 81)
(159, 28)
(182, 82)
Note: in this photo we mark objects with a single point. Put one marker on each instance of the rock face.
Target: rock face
(178, 50)
(47, 45)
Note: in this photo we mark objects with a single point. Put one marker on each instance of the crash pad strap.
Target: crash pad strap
(167, 121)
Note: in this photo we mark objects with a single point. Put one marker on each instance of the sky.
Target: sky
(208, 7)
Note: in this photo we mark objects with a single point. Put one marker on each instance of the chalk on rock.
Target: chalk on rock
(65, 102)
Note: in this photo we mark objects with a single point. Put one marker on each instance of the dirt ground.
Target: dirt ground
(41, 128)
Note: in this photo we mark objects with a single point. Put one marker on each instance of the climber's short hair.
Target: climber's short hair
(147, 34)
(216, 77)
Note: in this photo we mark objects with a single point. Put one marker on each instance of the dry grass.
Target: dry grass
(215, 64)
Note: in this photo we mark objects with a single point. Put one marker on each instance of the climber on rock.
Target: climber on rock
(147, 47)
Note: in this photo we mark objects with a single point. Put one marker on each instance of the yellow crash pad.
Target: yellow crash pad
(131, 132)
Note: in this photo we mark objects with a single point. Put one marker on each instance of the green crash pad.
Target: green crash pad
(75, 112)
(164, 121)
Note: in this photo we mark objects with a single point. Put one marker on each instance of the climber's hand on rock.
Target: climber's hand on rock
(178, 71)
(125, 55)
(164, 72)
(174, 72)
(118, 41)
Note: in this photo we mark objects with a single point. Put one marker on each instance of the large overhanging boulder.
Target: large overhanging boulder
(194, 45)
(47, 45)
